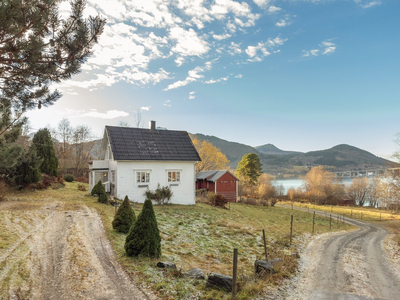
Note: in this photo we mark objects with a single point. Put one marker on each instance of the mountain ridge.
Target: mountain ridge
(341, 157)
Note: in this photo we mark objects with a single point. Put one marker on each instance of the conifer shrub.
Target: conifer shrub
(144, 237)
(103, 198)
(69, 177)
(98, 189)
(125, 217)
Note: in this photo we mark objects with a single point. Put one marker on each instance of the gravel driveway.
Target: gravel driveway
(66, 255)
(350, 265)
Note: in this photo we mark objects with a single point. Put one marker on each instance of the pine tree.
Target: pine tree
(38, 48)
(28, 169)
(125, 217)
(43, 145)
(144, 237)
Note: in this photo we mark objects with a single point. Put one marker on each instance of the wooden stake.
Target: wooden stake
(291, 228)
(234, 280)
(265, 246)
(330, 221)
(313, 223)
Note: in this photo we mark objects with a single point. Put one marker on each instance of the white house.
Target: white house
(134, 159)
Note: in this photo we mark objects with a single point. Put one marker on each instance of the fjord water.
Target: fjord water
(295, 183)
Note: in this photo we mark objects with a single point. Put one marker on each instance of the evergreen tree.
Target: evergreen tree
(38, 48)
(98, 189)
(249, 168)
(103, 198)
(27, 170)
(10, 153)
(125, 217)
(43, 145)
(144, 237)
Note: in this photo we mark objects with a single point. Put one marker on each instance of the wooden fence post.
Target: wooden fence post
(291, 228)
(380, 217)
(313, 223)
(330, 221)
(265, 246)
(234, 280)
(361, 215)
(337, 222)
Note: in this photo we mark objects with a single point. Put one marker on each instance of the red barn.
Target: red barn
(220, 182)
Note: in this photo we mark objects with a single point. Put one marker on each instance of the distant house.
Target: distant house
(220, 182)
(134, 159)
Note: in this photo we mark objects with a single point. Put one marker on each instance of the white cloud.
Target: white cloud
(234, 49)
(192, 93)
(284, 22)
(261, 3)
(221, 37)
(239, 76)
(257, 53)
(216, 80)
(326, 47)
(145, 108)
(187, 42)
(167, 103)
(193, 75)
(273, 9)
(111, 114)
(371, 4)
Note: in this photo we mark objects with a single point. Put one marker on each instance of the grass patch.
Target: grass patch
(200, 236)
(364, 213)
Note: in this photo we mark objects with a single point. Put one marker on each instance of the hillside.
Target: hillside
(273, 150)
(293, 164)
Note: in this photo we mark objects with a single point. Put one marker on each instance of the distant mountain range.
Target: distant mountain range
(278, 162)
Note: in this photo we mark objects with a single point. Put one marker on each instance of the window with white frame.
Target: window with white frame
(142, 176)
(174, 176)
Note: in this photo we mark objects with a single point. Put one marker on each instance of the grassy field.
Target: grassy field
(364, 213)
(198, 236)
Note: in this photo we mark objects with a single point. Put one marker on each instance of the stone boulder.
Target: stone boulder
(166, 265)
(194, 273)
(263, 267)
(219, 281)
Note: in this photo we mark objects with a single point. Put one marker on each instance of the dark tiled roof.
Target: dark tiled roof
(144, 144)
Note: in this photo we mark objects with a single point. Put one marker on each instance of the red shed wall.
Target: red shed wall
(226, 185)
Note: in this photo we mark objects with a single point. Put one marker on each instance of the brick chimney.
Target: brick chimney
(152, 125)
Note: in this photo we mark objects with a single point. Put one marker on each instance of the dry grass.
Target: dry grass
(357, 212)
(198, 236)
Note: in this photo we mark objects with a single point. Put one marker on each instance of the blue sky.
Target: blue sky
(302, 75)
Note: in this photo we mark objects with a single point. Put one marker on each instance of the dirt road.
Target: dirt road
(351, 265)
(65, 254)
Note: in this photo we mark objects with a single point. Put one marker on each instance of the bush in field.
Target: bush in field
(45, 182)
(161, 195)
(217, 200)
(98, 189)
(273, 201)
(125, 217)
(82, 188)
(69, 177)
(144, 237)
